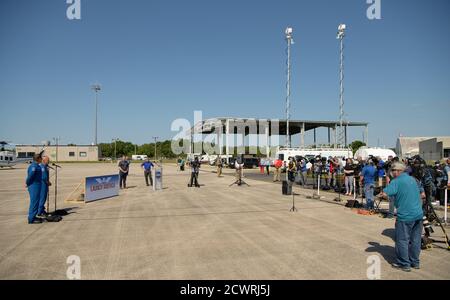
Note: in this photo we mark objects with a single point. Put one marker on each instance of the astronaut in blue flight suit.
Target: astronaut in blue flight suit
(44, 186)
(33, 183)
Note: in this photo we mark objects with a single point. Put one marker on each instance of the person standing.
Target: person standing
(380, 171)
(33, 184)
(44, 186)
(408, 226)
(182, 163)
(261, 166)
(447, 175)
(368, 174)
(219, 166)
(267, 161)
(389, 178)
(277, 164)
(349, 172)
(195, 168)
(179, 164)
(124, 167)
(291, 170)
(147, 167)
(303, 172)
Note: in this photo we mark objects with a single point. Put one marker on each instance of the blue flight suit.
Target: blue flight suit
(44, 188)
(34, 182)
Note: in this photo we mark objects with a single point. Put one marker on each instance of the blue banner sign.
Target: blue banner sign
(100, 187)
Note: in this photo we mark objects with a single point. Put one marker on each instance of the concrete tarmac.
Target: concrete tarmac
(212, 232)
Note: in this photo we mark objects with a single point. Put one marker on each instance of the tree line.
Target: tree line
(164, 149)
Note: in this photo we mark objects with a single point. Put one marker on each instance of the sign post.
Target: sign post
(100, 187)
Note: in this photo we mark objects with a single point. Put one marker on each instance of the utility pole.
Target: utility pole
(290, 41)
(115, 148)
(155, 138)
(96, 88)
(340, 37)
(56, 140)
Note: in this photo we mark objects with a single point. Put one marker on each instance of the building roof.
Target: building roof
(294, 125)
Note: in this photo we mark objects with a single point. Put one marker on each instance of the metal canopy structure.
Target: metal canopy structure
(295, 126)
(265, 126)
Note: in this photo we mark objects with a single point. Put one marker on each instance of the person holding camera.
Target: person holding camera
(408, 226)
(349, 172)
(368, 177)
(195, 168)
(301, 171)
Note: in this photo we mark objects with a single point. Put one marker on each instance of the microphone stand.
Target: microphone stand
(56, 182)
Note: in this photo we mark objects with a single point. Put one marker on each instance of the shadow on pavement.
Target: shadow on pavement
(388, 252)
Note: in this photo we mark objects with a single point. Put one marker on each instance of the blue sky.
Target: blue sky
(161, 60)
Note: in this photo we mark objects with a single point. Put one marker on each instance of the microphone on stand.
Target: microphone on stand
(58, 166)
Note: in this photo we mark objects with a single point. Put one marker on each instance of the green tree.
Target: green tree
(355, 145)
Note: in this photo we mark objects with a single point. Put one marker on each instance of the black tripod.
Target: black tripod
(293, 208)
(430, 215)
(239, 181)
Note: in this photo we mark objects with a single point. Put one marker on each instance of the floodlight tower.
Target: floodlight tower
(96, 88)
(340, 37)
(155, 138)
(290, 41)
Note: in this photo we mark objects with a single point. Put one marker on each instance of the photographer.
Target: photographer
(302, 171)
(349, 172)
(316, 169)
(357, 173)
(368, 177)
(381, 172)
(195, 168)
(239, 166)
(408, 226)
(389, 177)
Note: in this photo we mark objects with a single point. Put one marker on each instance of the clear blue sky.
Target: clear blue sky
(161, 60)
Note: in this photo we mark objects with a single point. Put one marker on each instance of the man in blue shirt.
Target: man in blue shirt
(147, 166)
(368, 176)
(33, 184)
(408, 226)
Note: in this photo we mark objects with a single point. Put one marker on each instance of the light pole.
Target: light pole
(96, 88)
(56, 140)
(155, 138)
(115, 148)
(340, 37)
(289, 41)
